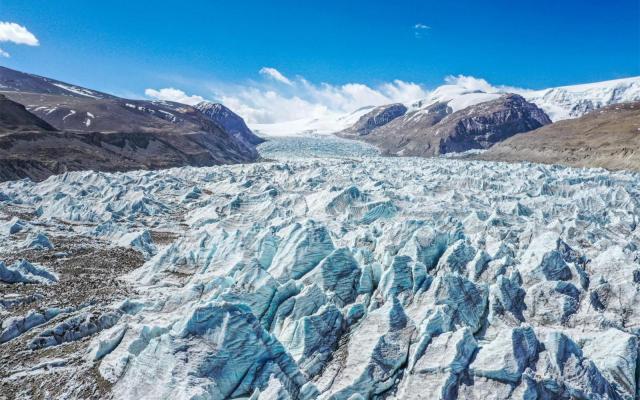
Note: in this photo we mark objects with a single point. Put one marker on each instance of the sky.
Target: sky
(312, 57)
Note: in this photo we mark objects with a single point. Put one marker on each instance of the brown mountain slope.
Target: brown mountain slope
(49, 127)
(14, 117)
(608, 138)
(31, 148)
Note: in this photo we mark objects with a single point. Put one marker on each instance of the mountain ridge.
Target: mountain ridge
(438, 129)
(110, 133)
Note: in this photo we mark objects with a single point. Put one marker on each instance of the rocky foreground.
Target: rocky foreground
(330, 278)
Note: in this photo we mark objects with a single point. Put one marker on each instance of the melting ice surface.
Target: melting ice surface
(356, 276)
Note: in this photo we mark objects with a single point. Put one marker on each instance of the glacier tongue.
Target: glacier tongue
(334, 278)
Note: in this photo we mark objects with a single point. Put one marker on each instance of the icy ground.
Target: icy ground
(315, 146)
(319, 277)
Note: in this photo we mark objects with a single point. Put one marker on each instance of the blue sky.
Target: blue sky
(129, 46)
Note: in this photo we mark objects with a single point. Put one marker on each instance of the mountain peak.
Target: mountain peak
(230, 121)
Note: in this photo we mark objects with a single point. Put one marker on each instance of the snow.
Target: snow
(559, 103)
(77, 90)
(168, 114)
(304, 127)
(71, 112)
(574, 101)
(456, 97)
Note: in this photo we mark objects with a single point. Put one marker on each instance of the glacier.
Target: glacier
(326, 272)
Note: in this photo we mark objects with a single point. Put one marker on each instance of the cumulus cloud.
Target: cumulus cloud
(4, 54)
(302, 99)
(172, 94)
(419, 29)
(471, 83)
(18, 34)
(266, 101)
(275, 75)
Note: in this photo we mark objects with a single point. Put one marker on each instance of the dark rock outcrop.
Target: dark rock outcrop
(376, 118)
(14, 117)
(229, 121)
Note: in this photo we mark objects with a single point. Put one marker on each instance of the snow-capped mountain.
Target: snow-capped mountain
(472, 124)
(559, 103)
(574, 101)
(456, 96)
(458, 117)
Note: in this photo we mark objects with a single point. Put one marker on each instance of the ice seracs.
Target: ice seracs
(23, 271)
(339, 278)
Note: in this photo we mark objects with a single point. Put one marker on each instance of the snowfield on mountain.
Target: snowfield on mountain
(323, 277)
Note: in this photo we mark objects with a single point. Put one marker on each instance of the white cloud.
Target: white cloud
(275, 74)
(419, 29)
(267, 102)
(4, 54)
(264, 103)
(171, 94)
(18, 34)
(471, 83)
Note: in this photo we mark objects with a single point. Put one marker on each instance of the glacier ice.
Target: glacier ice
(22, 271)
(341, 278)
(38, 241)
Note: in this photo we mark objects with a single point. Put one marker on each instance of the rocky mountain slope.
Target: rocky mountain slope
(230, 122)
(15, 118)
(327, 278)
(123, 134)
(16, 81)
(436, 129)
(609, 138)
(31, 148)
(376, 118)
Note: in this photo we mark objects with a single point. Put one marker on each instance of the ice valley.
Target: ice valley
(315, 276)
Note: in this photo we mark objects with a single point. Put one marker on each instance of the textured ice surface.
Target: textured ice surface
(358, 277)
(23, 271)
(315, 146)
